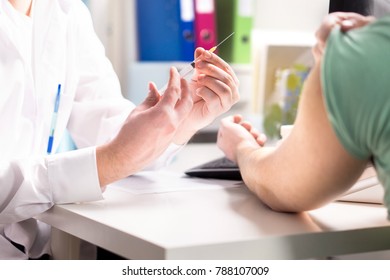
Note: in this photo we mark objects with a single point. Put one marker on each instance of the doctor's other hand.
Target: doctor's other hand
(147, 132)
(235, 133)
(346, 21)
(214, 90)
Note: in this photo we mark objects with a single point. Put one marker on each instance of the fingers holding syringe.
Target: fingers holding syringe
(221, 84)
(218, 76)
(205, 56)
(217, 95)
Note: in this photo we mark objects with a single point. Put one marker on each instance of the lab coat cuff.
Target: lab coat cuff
(73, 176)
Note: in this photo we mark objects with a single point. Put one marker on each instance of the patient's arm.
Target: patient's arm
(310, 167)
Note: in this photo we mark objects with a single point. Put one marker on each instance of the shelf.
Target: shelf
(273, 50)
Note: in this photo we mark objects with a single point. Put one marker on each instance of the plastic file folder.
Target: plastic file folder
(237, 16)
(187, 17)
(158, 29)
(205, 24)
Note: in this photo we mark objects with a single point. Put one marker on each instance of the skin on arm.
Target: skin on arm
(309, 169)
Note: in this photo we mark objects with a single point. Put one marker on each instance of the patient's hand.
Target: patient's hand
(233, 132)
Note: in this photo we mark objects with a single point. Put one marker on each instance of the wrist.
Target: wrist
(244, 149)
(104, 164)
(109, 165)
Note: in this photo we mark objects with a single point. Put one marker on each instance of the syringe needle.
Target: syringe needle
(220, 43)
(188, 69)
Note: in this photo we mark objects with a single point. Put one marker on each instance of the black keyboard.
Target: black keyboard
(219, 163)
(221, 168)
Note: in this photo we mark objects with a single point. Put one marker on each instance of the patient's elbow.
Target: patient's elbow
(284, 208)
(282, 200)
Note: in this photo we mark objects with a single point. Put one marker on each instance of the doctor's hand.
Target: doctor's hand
(346, 21)
(214, 90)
(235, 132)
(147, 132)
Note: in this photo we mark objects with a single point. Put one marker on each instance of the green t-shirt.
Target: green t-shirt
(356, 86)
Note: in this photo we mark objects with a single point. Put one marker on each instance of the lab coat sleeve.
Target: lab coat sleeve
(99, 108)
(31, 186)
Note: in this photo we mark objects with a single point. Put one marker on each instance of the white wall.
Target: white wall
(114, 23)
(290, 15)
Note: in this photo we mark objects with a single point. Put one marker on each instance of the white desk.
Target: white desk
(218, 224)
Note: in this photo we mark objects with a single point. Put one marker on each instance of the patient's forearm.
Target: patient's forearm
(258, 174)
(310, 167)
(279, 184)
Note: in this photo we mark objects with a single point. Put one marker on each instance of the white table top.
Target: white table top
(226, 223)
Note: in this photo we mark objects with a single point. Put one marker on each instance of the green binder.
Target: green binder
(235, 16)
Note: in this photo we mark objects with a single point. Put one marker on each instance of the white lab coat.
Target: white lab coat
(65, 50)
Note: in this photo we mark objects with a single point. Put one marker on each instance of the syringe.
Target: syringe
(184, 72)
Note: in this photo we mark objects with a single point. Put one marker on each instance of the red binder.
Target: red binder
(205, 24)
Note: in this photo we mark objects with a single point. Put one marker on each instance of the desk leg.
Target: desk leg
(64, 246)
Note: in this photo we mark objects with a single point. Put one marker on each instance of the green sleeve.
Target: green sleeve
(356, 83)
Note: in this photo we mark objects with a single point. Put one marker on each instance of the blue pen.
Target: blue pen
(54, 120)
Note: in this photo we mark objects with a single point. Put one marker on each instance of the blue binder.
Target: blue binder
(187, 36)
(158, 28)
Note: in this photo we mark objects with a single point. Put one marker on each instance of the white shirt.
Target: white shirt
(62, 49)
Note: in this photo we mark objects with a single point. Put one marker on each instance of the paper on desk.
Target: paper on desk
(167, 181)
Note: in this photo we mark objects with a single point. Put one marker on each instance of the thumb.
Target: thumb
(153, 96)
